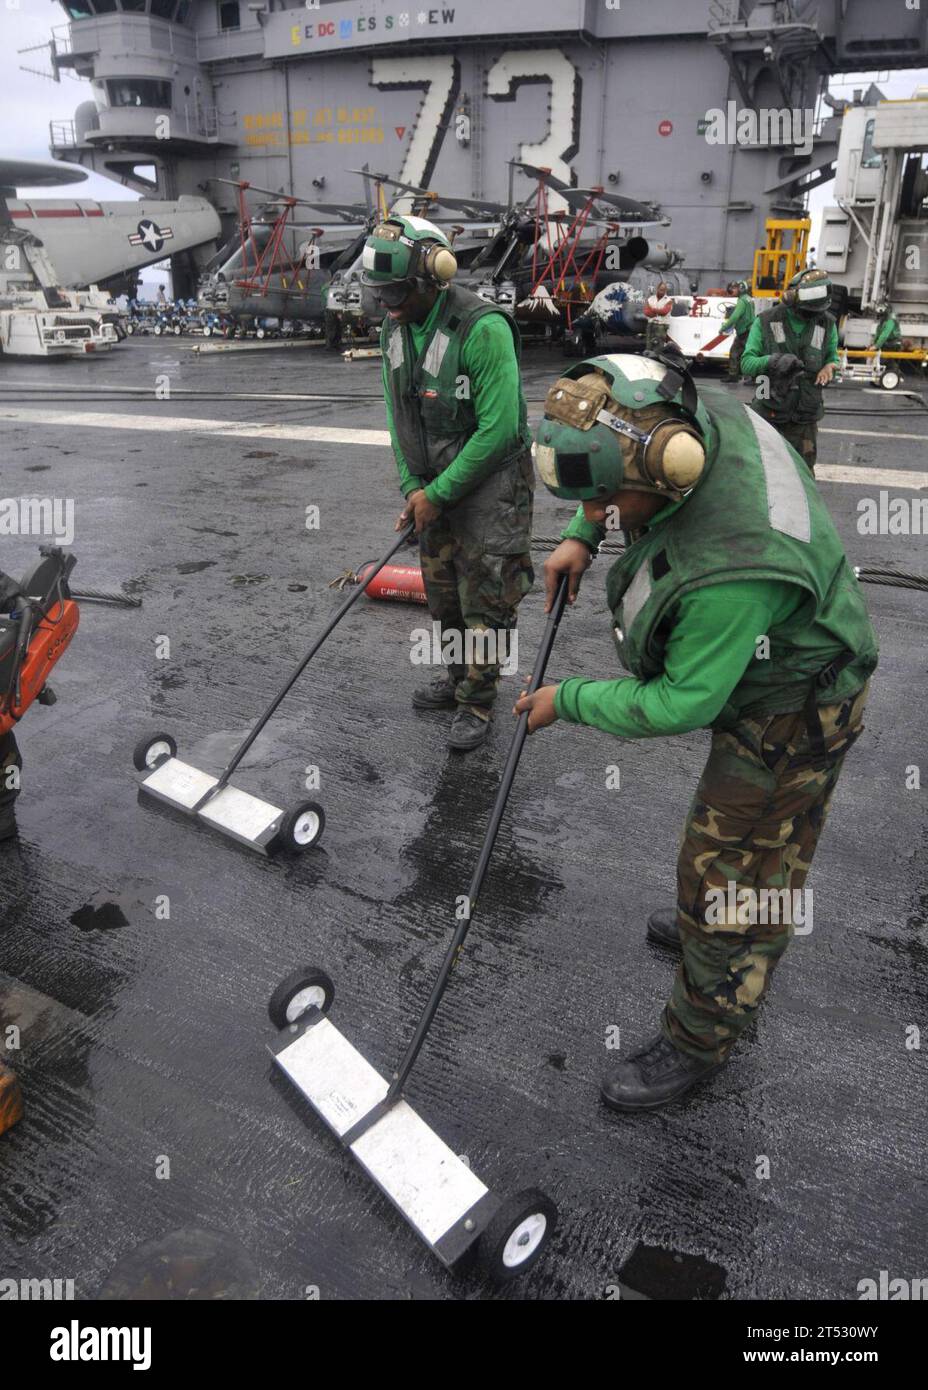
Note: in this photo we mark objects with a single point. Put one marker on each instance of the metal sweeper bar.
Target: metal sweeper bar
(447, 1204)
(212, 800)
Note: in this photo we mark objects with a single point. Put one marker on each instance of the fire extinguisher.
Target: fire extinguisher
(402, 583)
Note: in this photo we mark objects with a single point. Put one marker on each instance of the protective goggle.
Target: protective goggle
(811, 292)
(392, 293)
(814, 296)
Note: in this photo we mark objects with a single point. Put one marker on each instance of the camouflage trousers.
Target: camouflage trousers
(655, 333)
(753, 825)
(469, 588)
(803, 435)
(735, 354)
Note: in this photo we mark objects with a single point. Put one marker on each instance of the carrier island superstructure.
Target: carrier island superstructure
(709, 110)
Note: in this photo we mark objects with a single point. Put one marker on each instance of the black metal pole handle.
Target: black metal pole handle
(330, 626)
(496, 816)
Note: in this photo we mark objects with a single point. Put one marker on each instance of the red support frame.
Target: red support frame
(562, 256)
(257, 273)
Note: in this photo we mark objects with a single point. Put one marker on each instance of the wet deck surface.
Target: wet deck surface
(143, 1039)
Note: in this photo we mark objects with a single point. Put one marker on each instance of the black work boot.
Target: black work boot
(438, 694)
(662, 928)
(468, 730)
(654, 1075)
(8, 827)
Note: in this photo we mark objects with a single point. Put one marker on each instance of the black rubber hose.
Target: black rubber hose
(103, 596)
(843, 410)
(898, 578)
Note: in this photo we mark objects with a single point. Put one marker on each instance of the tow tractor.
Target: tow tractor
(49, 322)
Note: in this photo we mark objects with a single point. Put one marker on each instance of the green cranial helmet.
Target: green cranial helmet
(406, 249)
(809, 292)
(626, 420)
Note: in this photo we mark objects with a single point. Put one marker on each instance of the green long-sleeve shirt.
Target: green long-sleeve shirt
(890, 329)
(741, 317)
(707, 662)
(755, 361)
(489, 362)
(707, 665)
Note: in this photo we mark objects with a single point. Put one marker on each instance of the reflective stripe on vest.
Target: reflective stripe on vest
(395, 351)
(787, 504)
(636, 596)
(433, 359)
(755, 514)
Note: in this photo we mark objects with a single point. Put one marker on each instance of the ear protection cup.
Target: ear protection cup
(439, 264)
(663, 453)
(674, 456)
(661, 443)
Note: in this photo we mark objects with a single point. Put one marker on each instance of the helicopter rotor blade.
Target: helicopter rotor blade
(544, 175)
(247, 187)
(349, 212)
(472, 207)
(630, 208)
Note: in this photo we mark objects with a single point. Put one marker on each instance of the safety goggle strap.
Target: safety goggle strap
(620, 426)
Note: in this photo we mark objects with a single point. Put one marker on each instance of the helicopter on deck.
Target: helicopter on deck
(542, 259)
(275, 267)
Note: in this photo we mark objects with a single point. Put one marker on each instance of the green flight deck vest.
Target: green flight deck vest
(433, 422)
(756, 513)
(802, 400)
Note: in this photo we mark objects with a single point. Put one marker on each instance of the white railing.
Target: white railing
(62, 135)
(61, 37)
(120, 32)
(124, 122)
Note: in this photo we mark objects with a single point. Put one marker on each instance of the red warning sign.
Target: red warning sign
(400, 131)
(665, 128)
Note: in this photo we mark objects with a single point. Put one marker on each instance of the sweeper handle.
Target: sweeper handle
(330, 626)
(496, 816)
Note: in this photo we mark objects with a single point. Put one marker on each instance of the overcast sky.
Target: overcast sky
(33, 101)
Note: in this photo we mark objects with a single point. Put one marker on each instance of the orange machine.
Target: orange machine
(42, 620)
(11, 1100)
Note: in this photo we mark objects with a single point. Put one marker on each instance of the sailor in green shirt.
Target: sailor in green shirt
(887, 331)
(492, 368)
(739, 322)
(792, 352)
(459, 429)
(734, 608)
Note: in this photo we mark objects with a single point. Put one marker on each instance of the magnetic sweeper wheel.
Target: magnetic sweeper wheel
(152, 751)
(302, 827)
(306, 988)
(516, 1235)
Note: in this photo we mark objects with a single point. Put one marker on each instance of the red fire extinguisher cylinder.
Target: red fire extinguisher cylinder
(401, 583)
